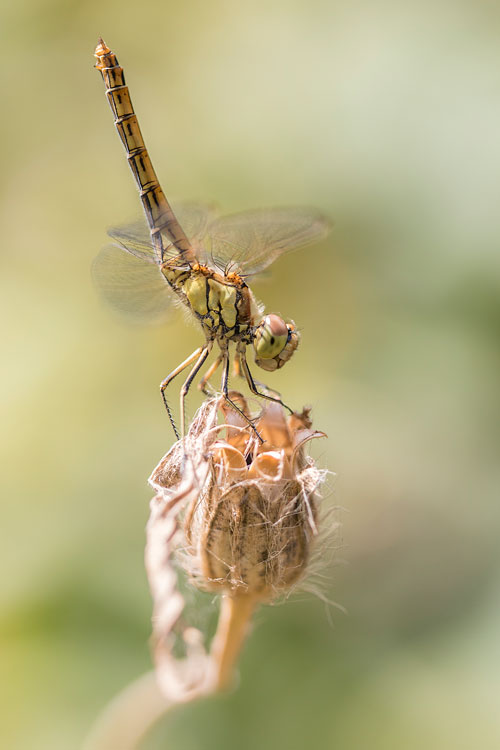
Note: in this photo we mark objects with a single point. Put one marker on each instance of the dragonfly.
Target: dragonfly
(203, 260)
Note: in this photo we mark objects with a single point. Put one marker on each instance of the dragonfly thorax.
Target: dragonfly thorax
(223, 304)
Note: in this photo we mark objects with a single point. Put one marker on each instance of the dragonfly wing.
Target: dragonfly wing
(250, 241)
(136, 239)
(131, 286)
(194, 218)
(126, 273)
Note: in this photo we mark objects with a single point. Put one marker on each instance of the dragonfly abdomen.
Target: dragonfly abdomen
(164, 227)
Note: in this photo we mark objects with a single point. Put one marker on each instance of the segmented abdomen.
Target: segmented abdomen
(164, 227)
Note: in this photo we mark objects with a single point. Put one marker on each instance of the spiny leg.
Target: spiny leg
(205, 351)
(225, 391)
(164, 383)
(253, 387)
(211, 370)
(239, 371)
(237, 366)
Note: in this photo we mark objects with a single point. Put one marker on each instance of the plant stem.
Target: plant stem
(129, 716)
(132, 713)
(234, 622)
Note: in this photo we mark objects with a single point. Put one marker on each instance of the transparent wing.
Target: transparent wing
(194, 218)
(136, 240)
(126, 274)
(250, 241)
(133, 287)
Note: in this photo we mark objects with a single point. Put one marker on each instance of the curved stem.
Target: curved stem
(234, 623)
(132, 713)
(129, 716)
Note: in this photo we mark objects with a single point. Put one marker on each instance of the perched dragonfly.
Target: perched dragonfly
(204, 264)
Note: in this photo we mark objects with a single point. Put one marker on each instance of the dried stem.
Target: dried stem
(234, 623)
(133, 712)
(129, 716)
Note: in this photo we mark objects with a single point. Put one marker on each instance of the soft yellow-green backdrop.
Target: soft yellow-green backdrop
(385, 115)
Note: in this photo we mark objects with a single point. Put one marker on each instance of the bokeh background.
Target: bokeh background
(386, 116)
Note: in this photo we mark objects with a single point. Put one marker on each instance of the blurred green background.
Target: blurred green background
(386, 116)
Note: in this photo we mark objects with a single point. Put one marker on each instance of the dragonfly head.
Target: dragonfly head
(274, 342)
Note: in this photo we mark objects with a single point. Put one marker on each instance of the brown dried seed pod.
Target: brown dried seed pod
(249, 526)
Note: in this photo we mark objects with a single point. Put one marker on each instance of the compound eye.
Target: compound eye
(271, 337)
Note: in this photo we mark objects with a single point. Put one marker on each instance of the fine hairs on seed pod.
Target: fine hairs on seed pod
(242, 519)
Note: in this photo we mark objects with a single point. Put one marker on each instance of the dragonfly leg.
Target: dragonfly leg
(225, 391)
(237, 366)
(253, 387)
(205, 351)
(164, 383)
(203, 382)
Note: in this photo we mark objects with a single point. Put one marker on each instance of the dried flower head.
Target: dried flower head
(250, 526)
(240, 515)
